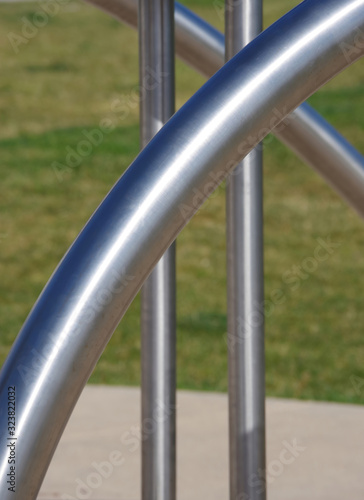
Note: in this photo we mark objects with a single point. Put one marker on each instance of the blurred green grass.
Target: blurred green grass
(62, 83)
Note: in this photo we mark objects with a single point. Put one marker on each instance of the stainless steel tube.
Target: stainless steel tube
(194, 36)
(89, 292)
(304, 131)
(158, 317)
(245, 289)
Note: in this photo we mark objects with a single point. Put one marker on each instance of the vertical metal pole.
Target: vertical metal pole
(245, 292)
(156, 53)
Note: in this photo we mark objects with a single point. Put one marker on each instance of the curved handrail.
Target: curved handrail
(89, 292)
(311, 137)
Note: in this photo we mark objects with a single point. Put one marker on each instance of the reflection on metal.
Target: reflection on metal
(245, 288)
(304, 130)
(158, 318)
(86, 297)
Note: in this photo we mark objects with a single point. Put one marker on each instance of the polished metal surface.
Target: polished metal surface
(89, 292)
(193, 35)
(158, 308)
(197, 42)
(304, 130)
(328, 152)
(245, 289)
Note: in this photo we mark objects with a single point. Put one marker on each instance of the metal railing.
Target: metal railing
(103, 270)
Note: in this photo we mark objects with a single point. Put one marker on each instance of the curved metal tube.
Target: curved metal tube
(312, 138)
(89, 292)
(197, 42)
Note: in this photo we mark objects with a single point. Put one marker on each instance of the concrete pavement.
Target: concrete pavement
(314, 450)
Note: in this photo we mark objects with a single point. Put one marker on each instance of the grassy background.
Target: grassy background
(63, 82)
